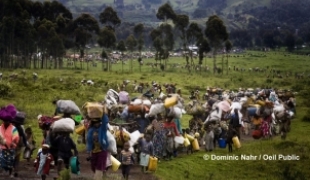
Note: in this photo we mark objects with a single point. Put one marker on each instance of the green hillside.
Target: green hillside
(134, 11)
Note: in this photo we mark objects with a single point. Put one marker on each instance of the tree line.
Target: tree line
(36, 34)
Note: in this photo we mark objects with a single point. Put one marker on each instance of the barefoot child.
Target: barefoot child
(147, 150)
(127, 160)
(44, 162)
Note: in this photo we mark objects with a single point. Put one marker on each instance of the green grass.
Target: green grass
(35, 98)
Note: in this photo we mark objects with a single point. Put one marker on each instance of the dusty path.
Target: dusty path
(27, 172)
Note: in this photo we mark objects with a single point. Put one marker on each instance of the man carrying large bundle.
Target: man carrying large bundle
(67, 108)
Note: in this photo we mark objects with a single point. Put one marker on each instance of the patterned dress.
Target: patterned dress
(159, 138)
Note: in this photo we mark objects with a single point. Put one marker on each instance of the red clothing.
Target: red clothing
(48, 163)
(171, 126)
(11, 136)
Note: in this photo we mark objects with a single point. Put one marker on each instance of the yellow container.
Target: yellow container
(80, 129)
(186, 142)
(171, 101)
(189, 137)
(236, 142)
(195, 145)
(115, 163)
(152, 164)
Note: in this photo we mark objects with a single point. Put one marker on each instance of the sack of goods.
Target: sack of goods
(123, 97)
(194, 108)
(68, 106)
(63, 125)
(19, 118)
(93, 109)
(121, 136)
(156, 109)
(137, 108)
(112, 143)
(45, 122)
(175, 112)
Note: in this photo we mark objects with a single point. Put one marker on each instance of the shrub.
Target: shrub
(307, 116)
(5, 90)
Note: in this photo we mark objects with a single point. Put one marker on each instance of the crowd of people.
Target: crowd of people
(158, 140)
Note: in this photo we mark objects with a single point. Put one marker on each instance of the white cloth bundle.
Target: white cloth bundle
(63, 125)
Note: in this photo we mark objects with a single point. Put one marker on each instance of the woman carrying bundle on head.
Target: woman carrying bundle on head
(97, 145)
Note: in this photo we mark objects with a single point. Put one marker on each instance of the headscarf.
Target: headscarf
(102, 133)
(8, 113)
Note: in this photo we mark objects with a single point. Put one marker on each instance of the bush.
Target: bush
(5, 90)
(307, 116)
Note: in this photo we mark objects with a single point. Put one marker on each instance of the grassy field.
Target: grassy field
(36, 98)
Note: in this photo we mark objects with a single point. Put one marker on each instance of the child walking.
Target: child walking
(171, 132)
(44, 162)
(127, 160)
(32, 143)
(147, 150)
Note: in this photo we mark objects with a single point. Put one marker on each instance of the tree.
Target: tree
(241, 38)
(44, 30)
(138, 31)
(299, 42)
(194, 35)
(228, 47)
(107, 40)
(167, 39)
(163, 38)
(290, 42)
(84, 26)
(157, 43)
(217, 34)
(165, 12)
(204, 47)
(110, 18)
(131, 44)
(122, 48)
(181, 23)
(268, 39)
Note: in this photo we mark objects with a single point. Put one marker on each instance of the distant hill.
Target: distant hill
(236, 13)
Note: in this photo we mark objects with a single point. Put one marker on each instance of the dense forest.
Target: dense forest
(36, 32)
